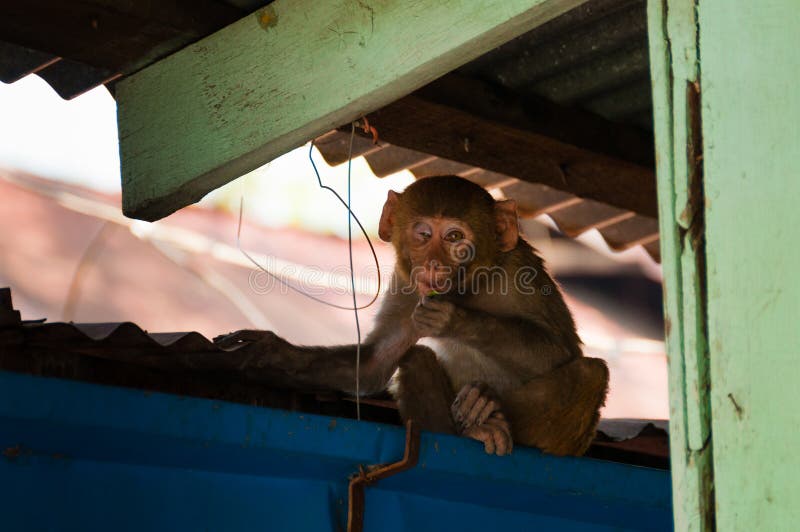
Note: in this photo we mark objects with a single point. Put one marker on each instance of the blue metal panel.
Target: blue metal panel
(80, 456)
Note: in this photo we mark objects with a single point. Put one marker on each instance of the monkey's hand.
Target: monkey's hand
(250, 336)
(432, 317)
(476, 411)
(263, 349)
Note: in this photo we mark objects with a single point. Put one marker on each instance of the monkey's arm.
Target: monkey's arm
(265, 356)
(520, 344)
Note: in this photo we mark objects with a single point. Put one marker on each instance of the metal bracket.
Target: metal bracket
(371, 474)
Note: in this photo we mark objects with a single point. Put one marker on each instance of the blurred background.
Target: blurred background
(69, 254)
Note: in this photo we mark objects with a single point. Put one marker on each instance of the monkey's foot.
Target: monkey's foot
(495, 433)
(476, 411)
(473, 405)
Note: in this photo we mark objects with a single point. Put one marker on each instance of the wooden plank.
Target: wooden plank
(586, 215)
(451, 133)
(394, 159)
(293, 70)
(442, 167)
(654, 250)
(534, 199)
(673, 63)
(335, 148)
(630, 232)
(750, 129)
(486, 178)
(535, 114)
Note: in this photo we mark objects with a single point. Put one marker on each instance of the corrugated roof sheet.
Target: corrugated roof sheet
(76, 46)
(594, 56)
(573, 215)
(123, 354)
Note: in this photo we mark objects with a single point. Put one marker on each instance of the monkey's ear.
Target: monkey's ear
(386, 224)
(506, 224)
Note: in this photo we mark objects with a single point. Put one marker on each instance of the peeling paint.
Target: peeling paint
(267, 17)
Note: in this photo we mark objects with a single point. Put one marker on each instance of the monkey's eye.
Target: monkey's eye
(454, 236)
(423, 231)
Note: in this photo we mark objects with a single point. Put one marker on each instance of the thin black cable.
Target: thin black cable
(354, 217)
(352, 271)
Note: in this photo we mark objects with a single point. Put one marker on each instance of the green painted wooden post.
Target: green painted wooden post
(725, 75)
(750, 57)
(291, 71)
(675, 74)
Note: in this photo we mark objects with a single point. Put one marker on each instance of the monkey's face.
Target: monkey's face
(439, 251)
(444, 229)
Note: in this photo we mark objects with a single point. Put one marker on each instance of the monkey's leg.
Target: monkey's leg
(423, 391)
(558, 412)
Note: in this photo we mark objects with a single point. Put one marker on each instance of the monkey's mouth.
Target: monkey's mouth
(426, 287)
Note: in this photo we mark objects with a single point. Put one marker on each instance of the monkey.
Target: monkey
(473, 336)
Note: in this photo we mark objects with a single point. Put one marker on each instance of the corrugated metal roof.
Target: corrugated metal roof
(573, 215)
(123, 354)
(594, 56)
(76, 46)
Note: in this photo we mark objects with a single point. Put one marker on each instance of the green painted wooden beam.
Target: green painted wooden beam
(675, 77)
(751, 128)
(726, 114)
(291, 71)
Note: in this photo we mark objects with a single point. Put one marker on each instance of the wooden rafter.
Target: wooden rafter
(562, 148)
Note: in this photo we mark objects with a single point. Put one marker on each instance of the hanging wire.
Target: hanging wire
(354, 217)
(350, 217)
(352, 271)
(88, 257)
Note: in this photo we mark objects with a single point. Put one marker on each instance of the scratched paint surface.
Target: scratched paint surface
(751, 111)
(268, 83)
(674, 73)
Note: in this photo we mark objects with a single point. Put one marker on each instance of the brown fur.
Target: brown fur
(558, 412)
(419, 373)
(522, 342)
